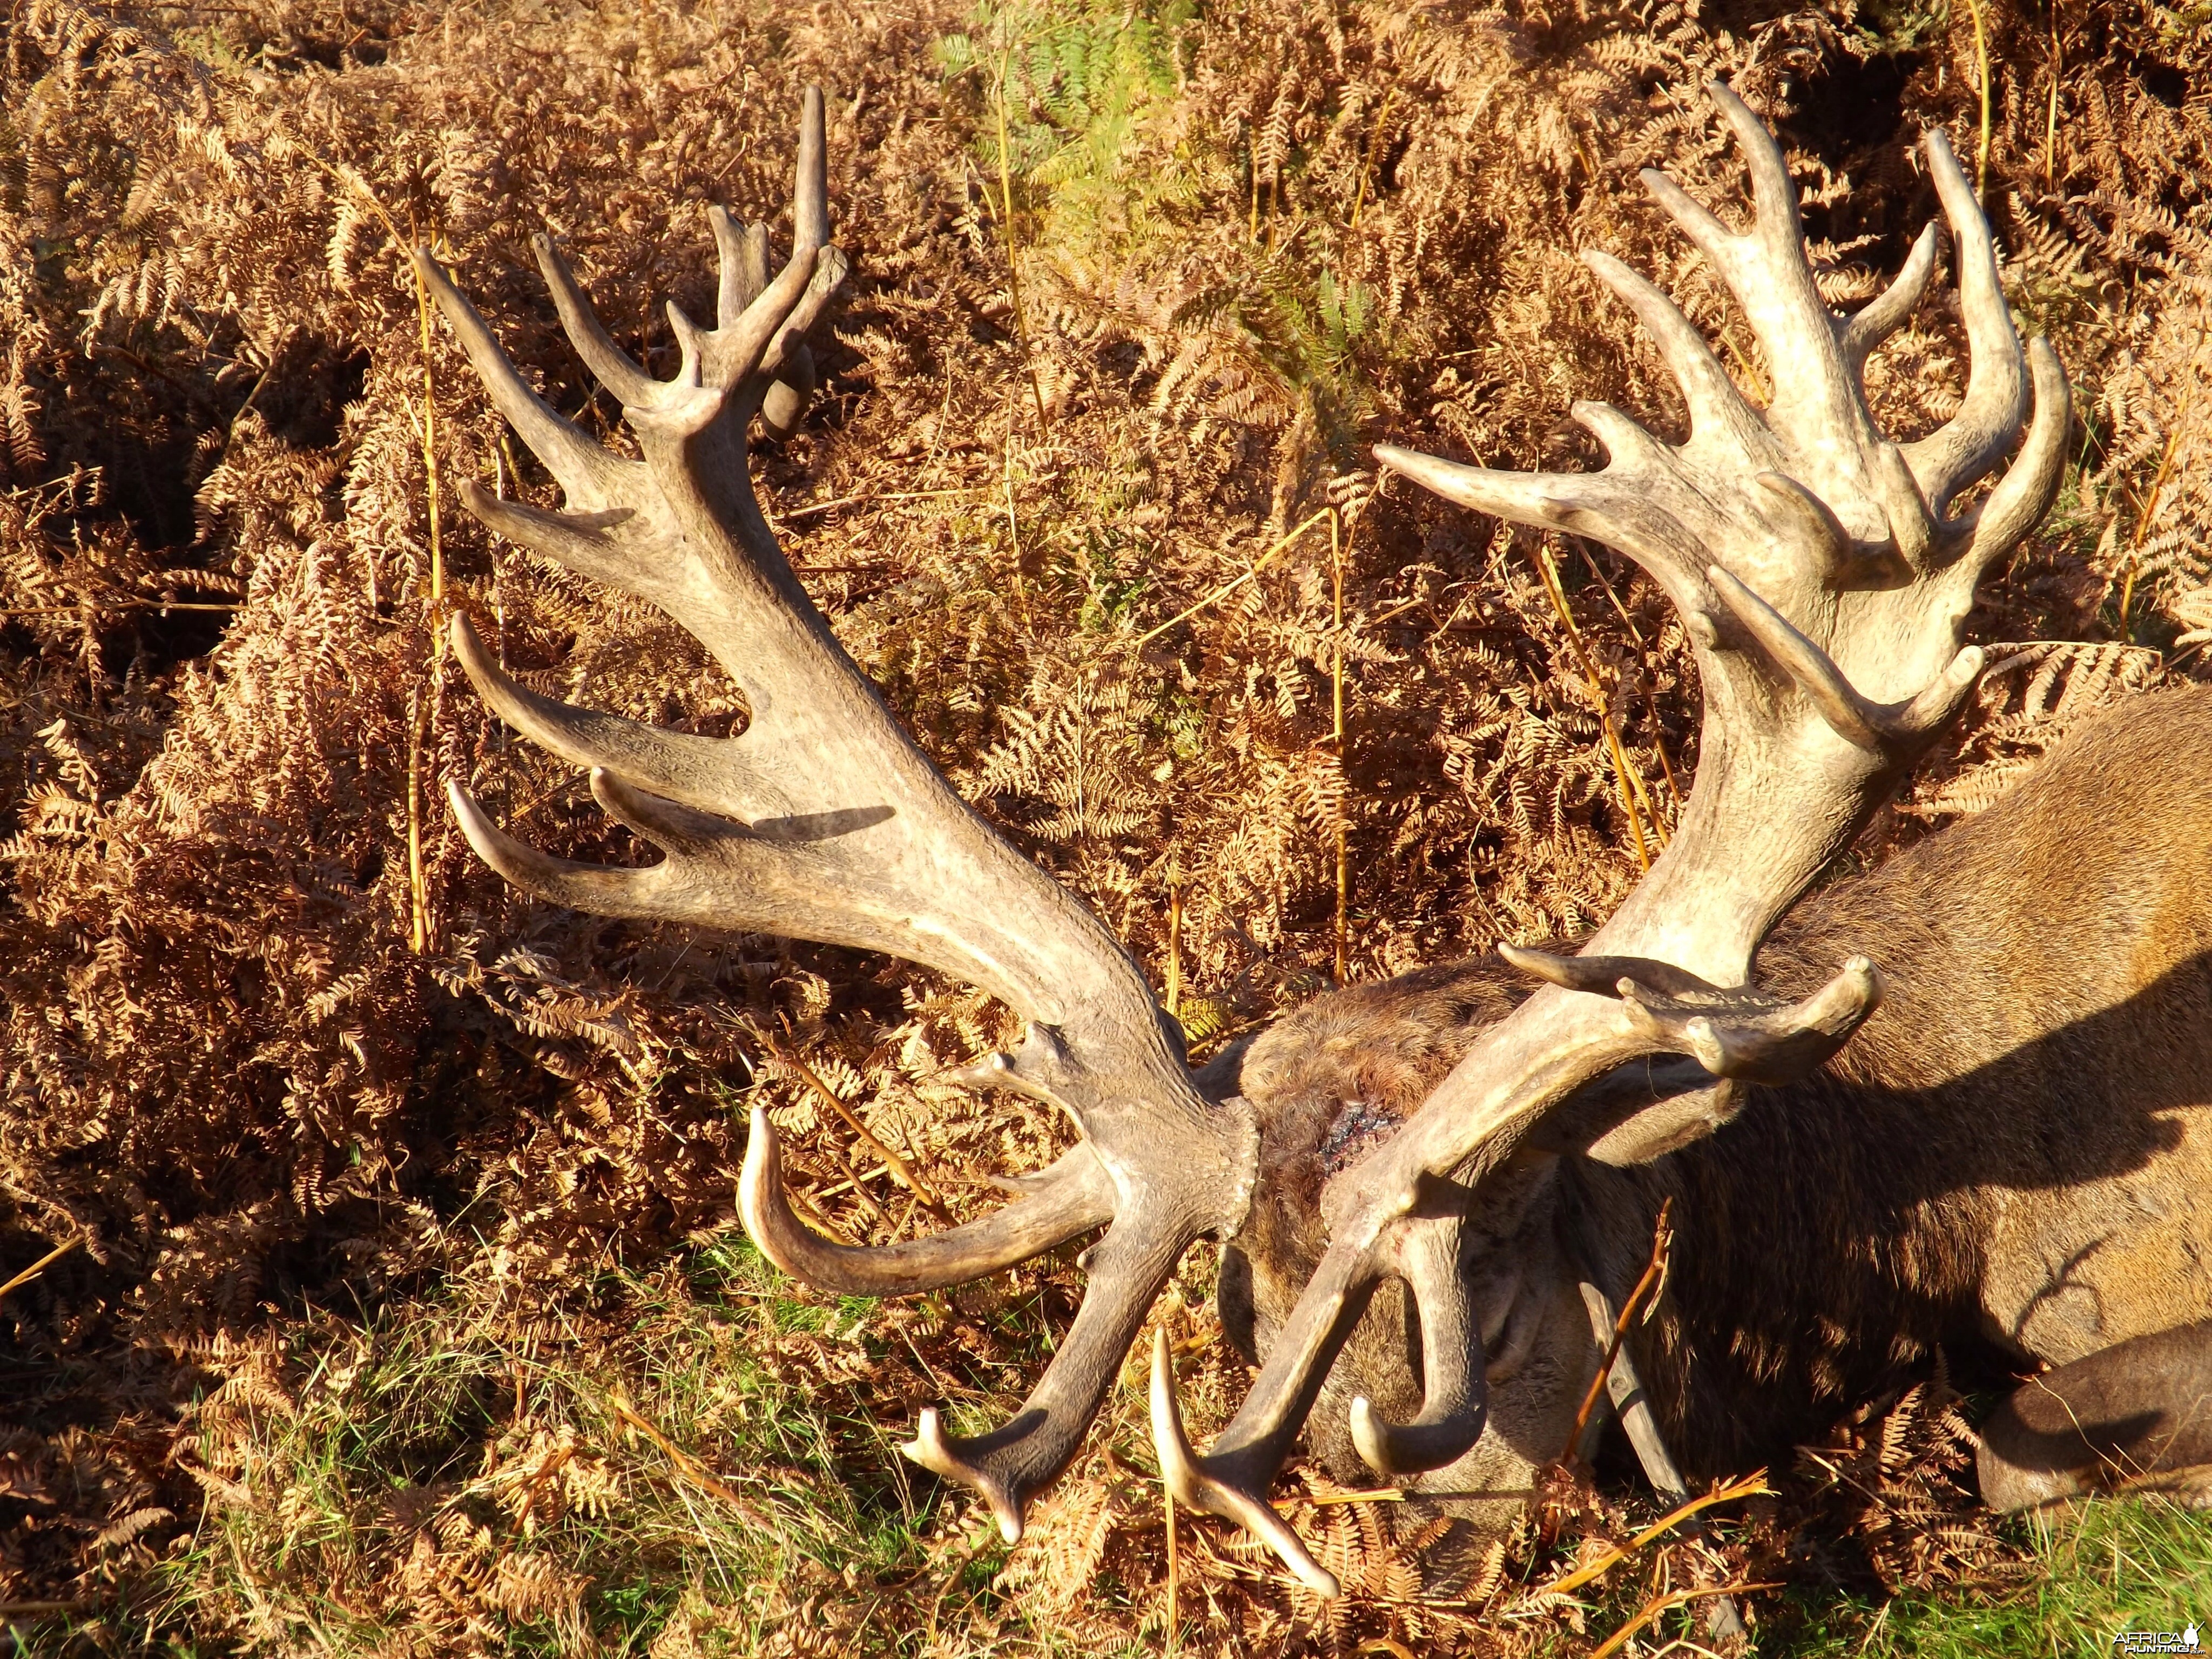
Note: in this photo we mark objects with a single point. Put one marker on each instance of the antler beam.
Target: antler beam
(823, 820)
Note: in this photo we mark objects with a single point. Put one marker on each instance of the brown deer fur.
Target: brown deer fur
(2016, 1153)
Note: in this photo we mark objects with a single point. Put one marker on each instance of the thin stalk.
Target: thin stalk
(1659, 746)
(418, 889)
(501, 460)
(854, 1182)
(419, 929)
(427, 427)
(1175, 953)
(1660, 1604)
(1613, 599)
(1620, 768)
(1658, 740)
(2150, 506)
(1013, 520)
(1175, 1575)
(685, 1465)
(1374, 143)
(901, 1171)
(1663, 1242)
(40, 1265)
(2050, 122)
(1751, 1485)
(430, 463)
(1636, 780)
(809, 512)
(1336, 701)
(1253, 231)
(1013, 245)
(823, 1224)
(1982, 73)
(1234, 583)
(1745, 368)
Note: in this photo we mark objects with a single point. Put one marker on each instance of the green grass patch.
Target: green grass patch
(2095, 1573)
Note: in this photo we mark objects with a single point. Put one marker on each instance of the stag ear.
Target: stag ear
(1640, 1111)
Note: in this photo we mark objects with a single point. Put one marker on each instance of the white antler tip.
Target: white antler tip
(1367, 1436)
(930, 1449)
(477, 828)
(762, 1146)
(1318, 1578)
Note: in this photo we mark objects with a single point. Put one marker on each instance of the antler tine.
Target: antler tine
(742, 253)
(701, 772)
(1213, 1484)
(823, 820)
(1815, 407)
(610, 366)
(1072, 1197)
(1801, 549)
(1413, 1235)
(1733, 1033)
(1882, 730)
(1455, 1391)
(1884, 314)
(782, 878)
(1608, 505)
(593, 545)
(737, 345)
(810, 194)
(1009, 1465)
(1976, 439)
(580, 887)
(754, 316)
(741, 257)
(590, 476)
(1717, 408)
(1773, 192)
(2018, 501)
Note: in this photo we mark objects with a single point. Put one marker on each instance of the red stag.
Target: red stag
(2015, 1149)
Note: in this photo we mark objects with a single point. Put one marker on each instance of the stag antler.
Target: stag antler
(1825, 583)
(823, 820)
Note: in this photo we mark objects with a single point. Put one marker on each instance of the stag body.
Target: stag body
(2014, 1152)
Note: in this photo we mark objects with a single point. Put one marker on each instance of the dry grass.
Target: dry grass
(391, 1186)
